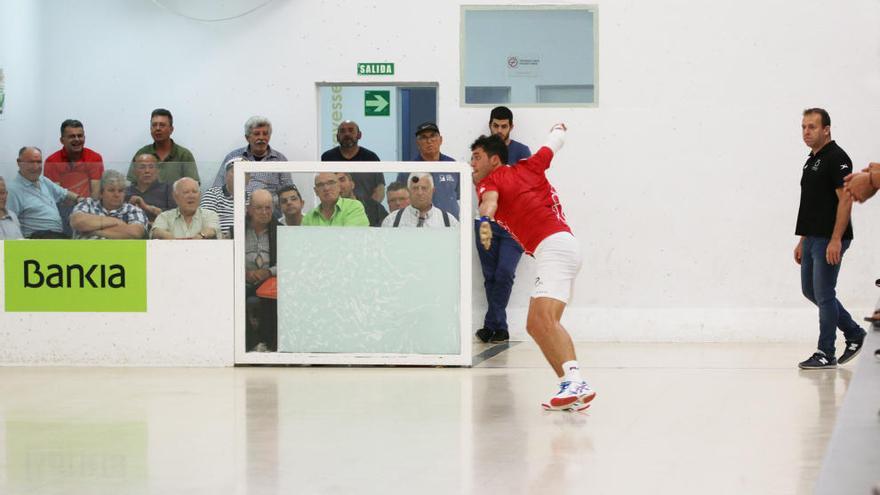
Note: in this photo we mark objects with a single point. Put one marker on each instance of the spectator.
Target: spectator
(175, 161)
(74, 167)
(398, 196)
(291, 203)
(9, 227)
(334, 210)
(110, 217)
(33, 198)
(374, 210)
(258, 132)
(421, 212)
(187, 221)
(500, 124)
(367, 184)
(498, 263)
(446, 185)
(220, 200)
(148, 192)
(261, 233)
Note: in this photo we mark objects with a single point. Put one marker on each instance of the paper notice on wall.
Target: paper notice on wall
(524, 65)
(2, 92)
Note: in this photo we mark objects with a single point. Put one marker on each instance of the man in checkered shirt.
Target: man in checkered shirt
(109, 217)
(257, 132)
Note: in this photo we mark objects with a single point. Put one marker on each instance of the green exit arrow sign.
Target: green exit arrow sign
(377, 103)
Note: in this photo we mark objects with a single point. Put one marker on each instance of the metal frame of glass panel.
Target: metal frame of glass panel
(462, 357)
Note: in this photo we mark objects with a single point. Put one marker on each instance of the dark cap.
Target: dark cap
(427, 126)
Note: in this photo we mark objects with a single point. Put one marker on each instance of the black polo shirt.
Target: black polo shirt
(823, 174)
(364, 182)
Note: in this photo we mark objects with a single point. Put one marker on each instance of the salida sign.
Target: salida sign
(80, 276)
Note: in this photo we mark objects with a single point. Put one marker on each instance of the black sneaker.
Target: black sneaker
(500, 336)
(485, 335)
(818, 361)
(852, 349)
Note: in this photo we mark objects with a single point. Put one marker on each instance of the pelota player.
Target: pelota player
(522, 201)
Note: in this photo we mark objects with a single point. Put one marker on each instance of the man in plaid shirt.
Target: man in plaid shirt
(109, 217)
(257, 132)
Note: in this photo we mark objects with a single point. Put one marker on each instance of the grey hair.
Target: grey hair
(315, 178)
(179, 183)
(254, 122)
(419, 176)
(25, 148)
(110, 178)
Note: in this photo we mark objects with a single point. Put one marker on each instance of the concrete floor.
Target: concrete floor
(668, 418)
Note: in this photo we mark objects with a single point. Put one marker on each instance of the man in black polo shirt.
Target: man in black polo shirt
(366, 184)
(825, 230)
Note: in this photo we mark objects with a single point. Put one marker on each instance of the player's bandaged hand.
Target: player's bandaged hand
(486, 235)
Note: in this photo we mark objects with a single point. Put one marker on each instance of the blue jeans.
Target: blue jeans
(818, 282)
(499, 269)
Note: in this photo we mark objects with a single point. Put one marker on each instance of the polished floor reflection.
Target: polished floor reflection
(669, 418)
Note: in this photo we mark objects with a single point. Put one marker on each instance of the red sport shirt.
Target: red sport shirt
(528, 206)
(74, 177)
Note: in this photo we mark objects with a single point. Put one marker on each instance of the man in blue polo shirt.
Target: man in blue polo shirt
(446, 185)
(33, 198)
(499, 262)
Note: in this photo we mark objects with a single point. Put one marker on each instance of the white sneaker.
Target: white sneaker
(569, 393)
(261, 347)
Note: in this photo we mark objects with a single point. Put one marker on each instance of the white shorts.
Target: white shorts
(558, 260)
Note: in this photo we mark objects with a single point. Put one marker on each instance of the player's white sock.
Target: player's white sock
(572, 372)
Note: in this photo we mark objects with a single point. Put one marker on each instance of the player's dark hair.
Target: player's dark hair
(826, 119)
(161, 112)
(71, 123)
(493, 146)
(501, 113)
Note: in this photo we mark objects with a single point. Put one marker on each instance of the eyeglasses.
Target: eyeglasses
(428, 137)
(329, 183)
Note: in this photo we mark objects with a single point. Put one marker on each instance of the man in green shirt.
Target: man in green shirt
(334, 210)
(175, 161)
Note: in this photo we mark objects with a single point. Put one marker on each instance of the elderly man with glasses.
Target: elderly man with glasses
(334, 210)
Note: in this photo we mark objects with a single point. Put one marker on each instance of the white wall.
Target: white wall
(682, 185)
(19, 59)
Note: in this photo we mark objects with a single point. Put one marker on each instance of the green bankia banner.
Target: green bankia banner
(76, 276)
